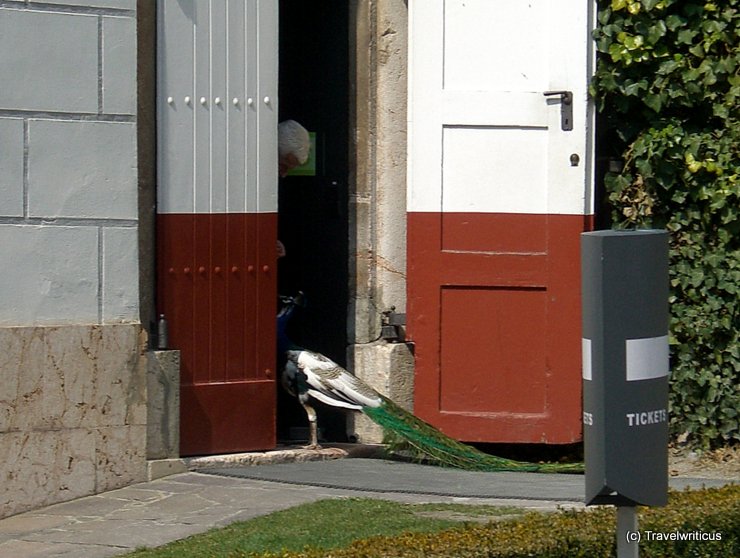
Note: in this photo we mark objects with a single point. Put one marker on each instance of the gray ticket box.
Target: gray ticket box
(625, 366)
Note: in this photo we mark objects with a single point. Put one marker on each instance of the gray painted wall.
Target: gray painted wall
(68, 177)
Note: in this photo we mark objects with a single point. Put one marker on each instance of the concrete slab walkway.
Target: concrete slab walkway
(175, 507)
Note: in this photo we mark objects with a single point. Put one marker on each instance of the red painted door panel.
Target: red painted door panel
(496, 334)
(217, 290)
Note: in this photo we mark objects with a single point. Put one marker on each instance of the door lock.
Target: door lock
(566, 108)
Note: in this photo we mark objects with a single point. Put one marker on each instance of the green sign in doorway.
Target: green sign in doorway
(309, 167)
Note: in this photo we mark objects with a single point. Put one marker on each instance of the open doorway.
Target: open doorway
(313, 208)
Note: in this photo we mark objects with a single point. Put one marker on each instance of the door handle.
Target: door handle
(566, 108)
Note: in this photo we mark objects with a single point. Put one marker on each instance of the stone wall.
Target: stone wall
(378, 186)
(72, 412)
(72, 367)
(378, 199)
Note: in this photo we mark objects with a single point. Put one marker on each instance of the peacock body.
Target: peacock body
(310, 377)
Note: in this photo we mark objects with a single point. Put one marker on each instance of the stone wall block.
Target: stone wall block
(45, 467)
(11, 167)
(163, 404)
(69, 376)
(112, 4)
(120, 454)
(136, 394)
(401, 380)
(10, 350)
(120, 395)
(72, 412)
(20, 395)
(49, 61)
(120, 275)
(366, 325)
(36, 390)
(82, 169)
(74, 377)
(388, 368)
(119, 65)
(53, 277)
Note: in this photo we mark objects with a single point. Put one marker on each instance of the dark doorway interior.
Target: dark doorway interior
(313, 219)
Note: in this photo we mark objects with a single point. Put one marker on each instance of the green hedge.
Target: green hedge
(667, 87)
(569, 534)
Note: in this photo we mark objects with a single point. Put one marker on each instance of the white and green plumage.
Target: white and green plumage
(311, 377)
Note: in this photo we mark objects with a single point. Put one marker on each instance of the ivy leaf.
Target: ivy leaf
(644, 167)
(691, 75)
(619, 5)
(697, 50)
(655, 32)
(674, 21)
(727, 65)
(604, 17)
(661, 51)
(712, 26)
(686, 36)
(617, 52)
(710, 79)
(667, 67)
(654, 101)
(634, 88)
(721, 111)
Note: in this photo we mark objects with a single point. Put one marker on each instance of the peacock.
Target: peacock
(310, 377)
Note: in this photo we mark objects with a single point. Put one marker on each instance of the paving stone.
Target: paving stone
(155, 513)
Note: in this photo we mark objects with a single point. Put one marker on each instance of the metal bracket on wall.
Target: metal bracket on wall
(392, 326)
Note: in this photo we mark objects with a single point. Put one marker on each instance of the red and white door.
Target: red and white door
(217, 215)
(499, 191)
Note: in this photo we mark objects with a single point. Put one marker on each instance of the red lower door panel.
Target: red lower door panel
(494, 312)
(217, 289)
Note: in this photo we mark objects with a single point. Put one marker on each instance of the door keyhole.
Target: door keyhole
(566, 108)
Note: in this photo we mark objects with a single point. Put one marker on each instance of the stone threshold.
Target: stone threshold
(159, 468)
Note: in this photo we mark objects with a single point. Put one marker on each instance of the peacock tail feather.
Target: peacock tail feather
(405, 434)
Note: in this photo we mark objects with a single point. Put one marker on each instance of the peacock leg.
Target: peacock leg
(313, 442)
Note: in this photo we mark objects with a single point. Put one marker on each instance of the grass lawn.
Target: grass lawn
(325, 524)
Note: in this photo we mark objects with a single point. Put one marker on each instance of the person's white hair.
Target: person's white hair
(293, 138)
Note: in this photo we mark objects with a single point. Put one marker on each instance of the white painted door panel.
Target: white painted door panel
(267, 153)
(175, 190)
(478, 114)
(217, 106)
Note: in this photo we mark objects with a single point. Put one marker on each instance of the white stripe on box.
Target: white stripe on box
(647, 358)
(586, 359)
